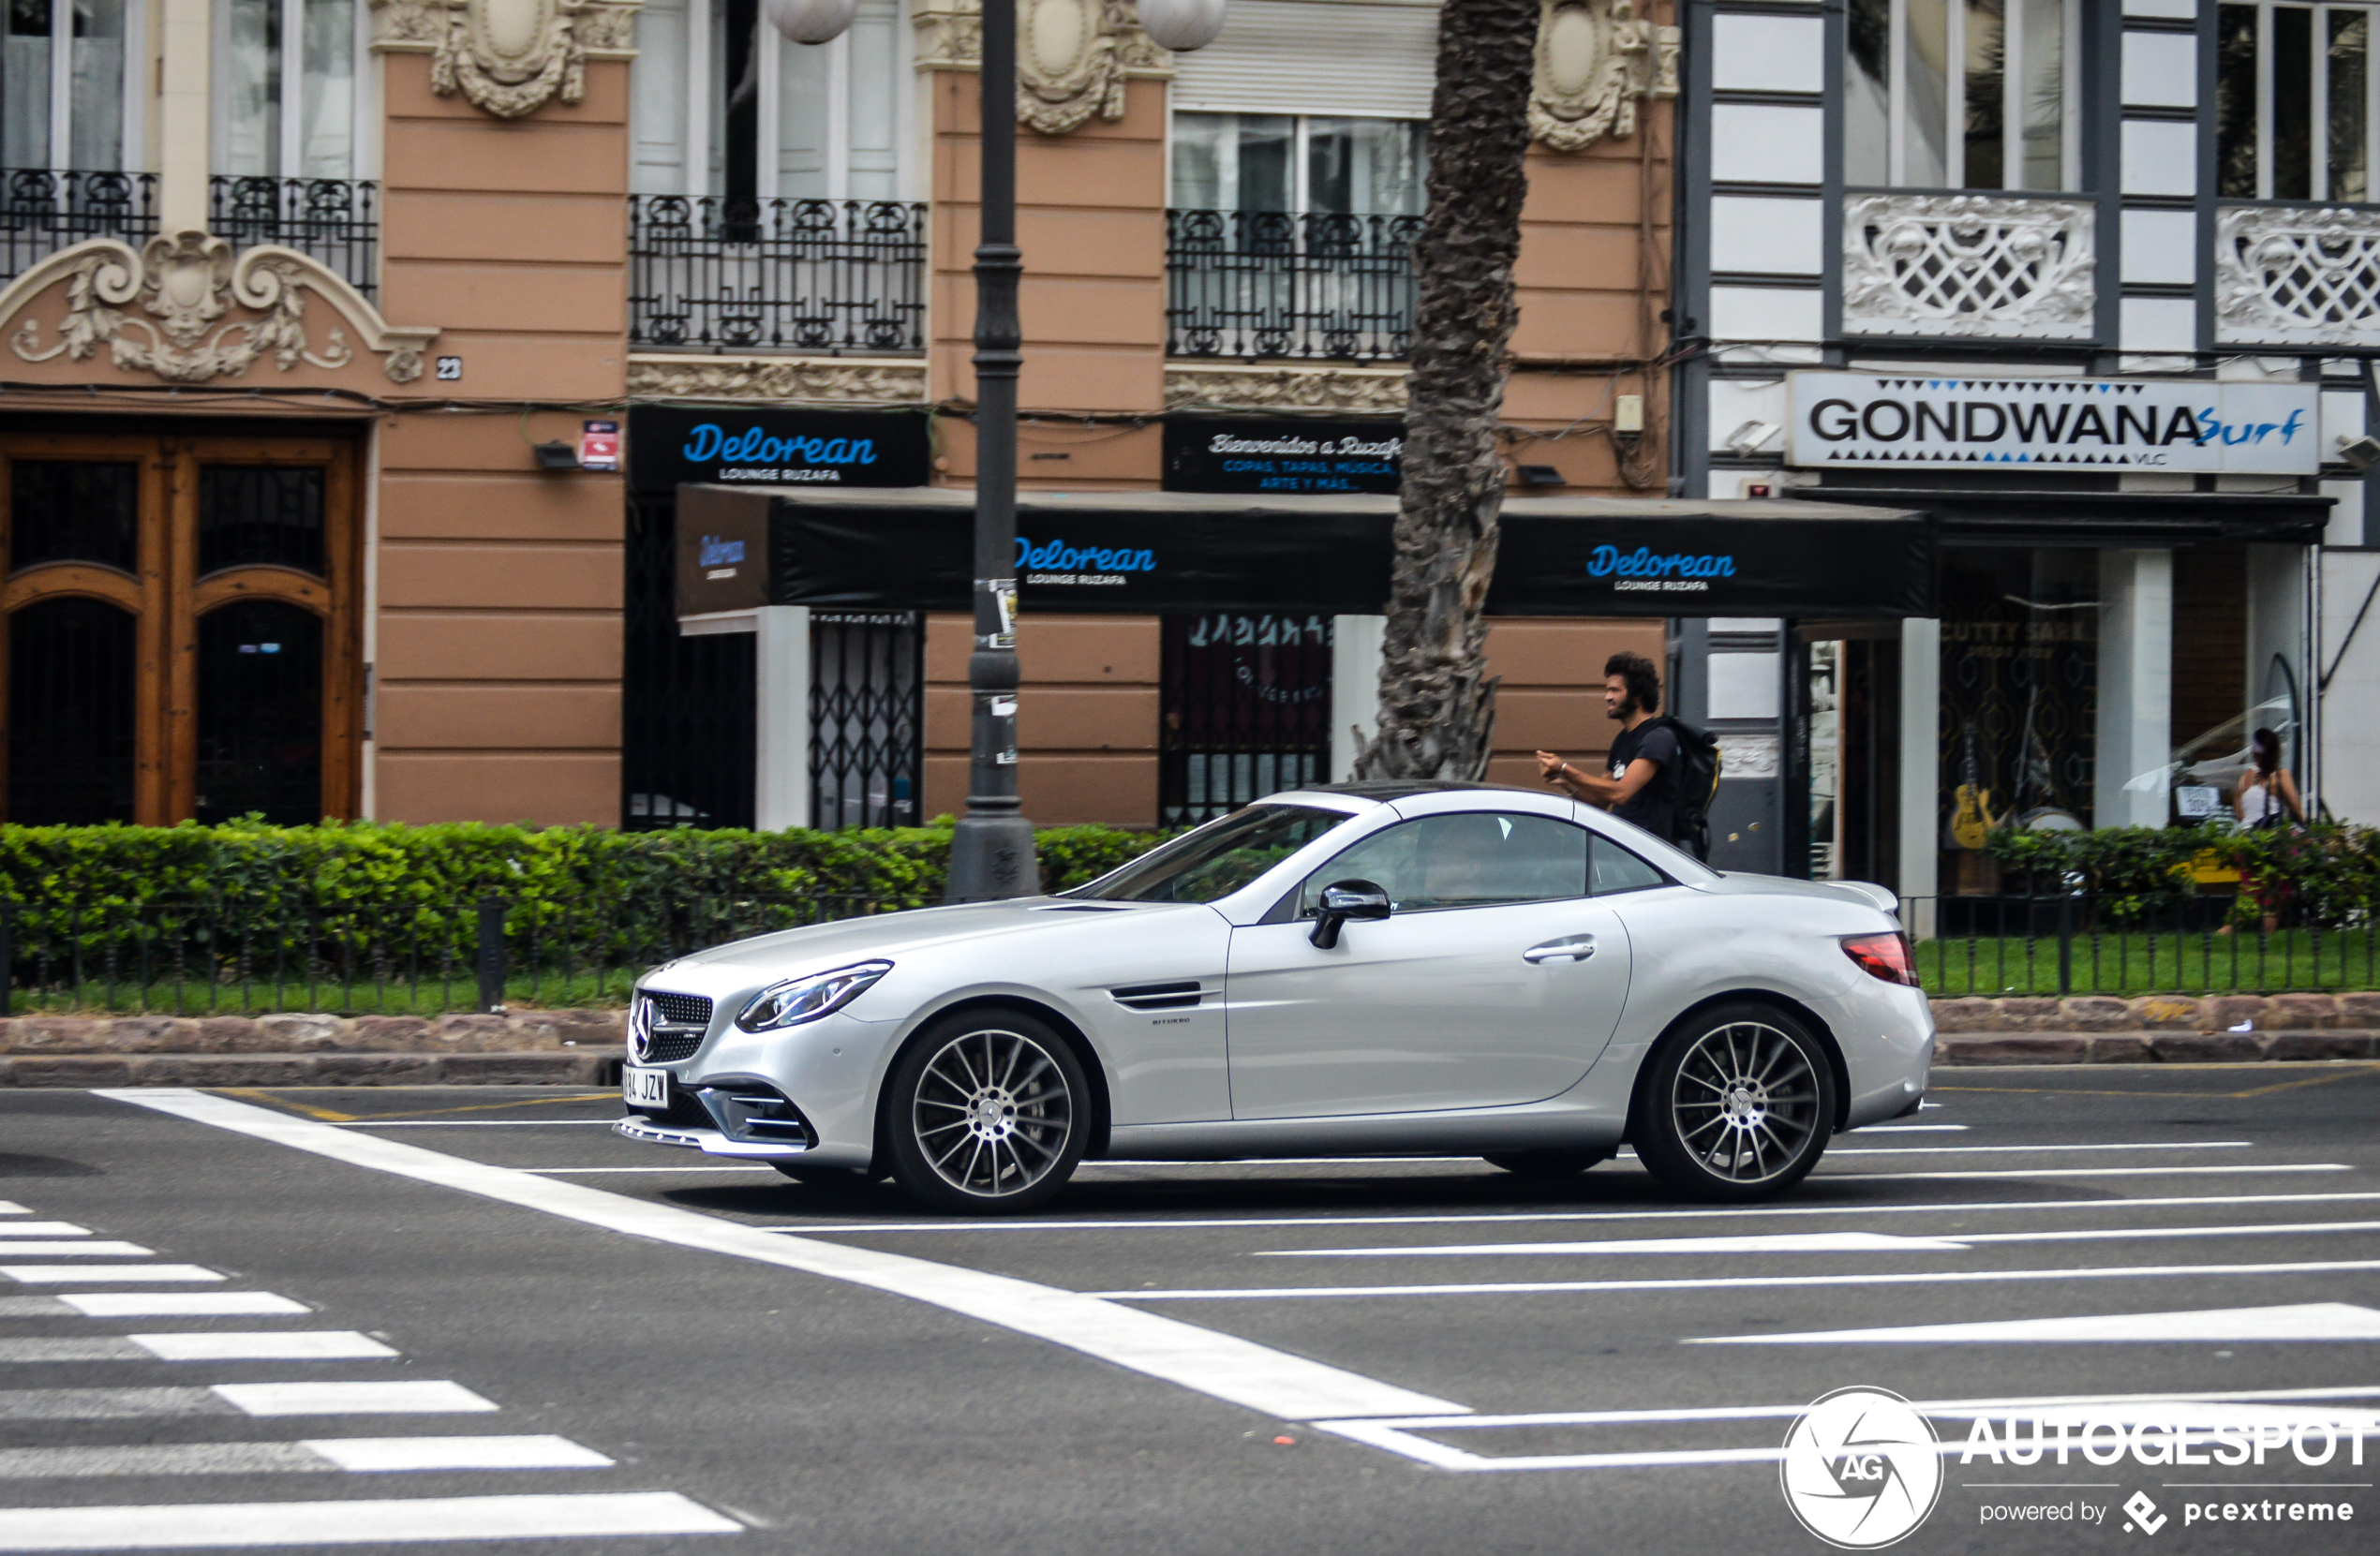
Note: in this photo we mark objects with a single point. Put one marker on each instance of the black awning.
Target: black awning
(2030, 517)
(1143, 553)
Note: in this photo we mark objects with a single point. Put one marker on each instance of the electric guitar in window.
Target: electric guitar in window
(1971, 819)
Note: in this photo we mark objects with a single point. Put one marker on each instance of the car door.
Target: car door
(1496, 979)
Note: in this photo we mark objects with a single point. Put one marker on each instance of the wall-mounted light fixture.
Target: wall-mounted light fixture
(556, 456)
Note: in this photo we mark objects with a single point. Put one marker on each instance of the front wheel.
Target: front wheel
(1738, 1107)
(986, 1113)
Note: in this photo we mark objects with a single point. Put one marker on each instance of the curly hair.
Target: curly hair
(1644, 679)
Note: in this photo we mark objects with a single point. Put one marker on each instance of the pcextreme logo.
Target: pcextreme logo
(1861, 1468)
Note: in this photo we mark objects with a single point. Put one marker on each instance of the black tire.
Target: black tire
(986, 1113)
(1546, 1164)
(1738, 1105)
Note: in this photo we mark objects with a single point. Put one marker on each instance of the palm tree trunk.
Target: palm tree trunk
(1438, 707)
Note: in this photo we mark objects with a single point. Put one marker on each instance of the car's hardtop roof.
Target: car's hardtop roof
(1402, 788)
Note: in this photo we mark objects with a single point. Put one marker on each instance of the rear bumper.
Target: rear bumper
(709, 1141)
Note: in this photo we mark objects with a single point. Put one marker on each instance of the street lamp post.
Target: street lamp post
(992, 853)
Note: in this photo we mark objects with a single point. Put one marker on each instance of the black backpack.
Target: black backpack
(1698, 769)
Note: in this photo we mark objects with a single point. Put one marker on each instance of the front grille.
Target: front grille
(685, 1111)
(680, 1009)
(668, 1047)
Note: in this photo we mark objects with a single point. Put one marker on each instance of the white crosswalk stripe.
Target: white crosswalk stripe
(196, 1524)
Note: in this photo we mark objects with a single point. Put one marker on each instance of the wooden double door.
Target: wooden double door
(183, 628)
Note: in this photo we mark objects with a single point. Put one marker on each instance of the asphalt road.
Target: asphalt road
(440, 1315)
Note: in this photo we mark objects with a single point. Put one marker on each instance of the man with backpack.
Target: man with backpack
(1661, 771)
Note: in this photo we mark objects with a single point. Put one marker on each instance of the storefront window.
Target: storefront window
(1959, 94)
(71, 714)
(1246, 711)
(2294, 108)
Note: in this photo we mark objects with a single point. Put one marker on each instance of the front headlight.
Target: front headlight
(799, 1000)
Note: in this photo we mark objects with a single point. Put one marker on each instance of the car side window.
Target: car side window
(1615, 869)
(1474, 860)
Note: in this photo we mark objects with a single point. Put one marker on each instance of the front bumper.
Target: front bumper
(710, 1142)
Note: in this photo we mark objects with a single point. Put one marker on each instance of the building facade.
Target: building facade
(2092, 282)
(356, 353)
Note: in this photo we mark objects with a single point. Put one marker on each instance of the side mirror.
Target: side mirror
(1343, 900)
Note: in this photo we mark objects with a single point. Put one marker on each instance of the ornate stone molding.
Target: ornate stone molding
(818, 380)
(209, 315)
(509, 57)
(1073, 56)
(1365, 391)
(1973, 267)
(2304, 275)
(1596, 59)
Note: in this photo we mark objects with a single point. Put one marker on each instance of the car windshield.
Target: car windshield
(1217, 859)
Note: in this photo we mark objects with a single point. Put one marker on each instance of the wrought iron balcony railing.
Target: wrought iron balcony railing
(42, 212)
(1969, 267)
(2297, 275)
(1314, 284)
(336, 220)
(823, 275)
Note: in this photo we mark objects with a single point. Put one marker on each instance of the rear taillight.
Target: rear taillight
(1884, 957)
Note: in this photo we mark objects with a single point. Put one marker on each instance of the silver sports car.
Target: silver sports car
(1409, 967)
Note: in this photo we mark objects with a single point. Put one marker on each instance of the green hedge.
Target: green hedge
(384, 866)
(2324, 876)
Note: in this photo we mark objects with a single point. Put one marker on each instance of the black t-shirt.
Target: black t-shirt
(1654, 808)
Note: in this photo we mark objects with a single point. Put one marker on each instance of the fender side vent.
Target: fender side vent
(1160, 995)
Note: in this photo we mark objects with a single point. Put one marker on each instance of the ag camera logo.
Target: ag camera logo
(1861, 1468)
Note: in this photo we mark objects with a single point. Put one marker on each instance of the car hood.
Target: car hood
(1866, 893)
(819, 946)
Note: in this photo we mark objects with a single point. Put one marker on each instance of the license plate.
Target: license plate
(641, 1086)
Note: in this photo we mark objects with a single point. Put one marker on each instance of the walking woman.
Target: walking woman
(2267, 798)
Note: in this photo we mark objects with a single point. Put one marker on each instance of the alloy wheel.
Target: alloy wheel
(992, 1113)
(1746, 1102)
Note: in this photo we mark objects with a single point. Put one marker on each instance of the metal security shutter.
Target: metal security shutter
(1314, 56)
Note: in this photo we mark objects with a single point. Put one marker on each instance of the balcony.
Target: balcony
(334, 219)
(815, 275)
(1969, 267)
(1315, 286)
(2296, 275)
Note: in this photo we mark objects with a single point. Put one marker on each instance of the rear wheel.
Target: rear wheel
(1739, 1105)
(987, 1113)
(1546, 1164)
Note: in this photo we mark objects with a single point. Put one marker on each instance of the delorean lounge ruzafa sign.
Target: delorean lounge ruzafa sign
(1843, 421)
(671, 446)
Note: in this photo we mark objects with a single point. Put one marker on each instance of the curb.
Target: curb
(1954, 1050)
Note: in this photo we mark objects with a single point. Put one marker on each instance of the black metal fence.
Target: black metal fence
(791, 275)
(2058, 945)
(336, 220)
(42, 212)
(204, 958)
(1257, 284)
(866, 718)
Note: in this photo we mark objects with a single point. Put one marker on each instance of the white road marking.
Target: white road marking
(581, 1172)
(32, 1275)
(1733, 1283)
(179, 1304)
(287, 1345)
(1822, 1242)
(1221, 1366)
(215, 1525)
(93, 1250)
(1909, 1129)
(315, 1455)
(2304, 1321)
(387, 1455)
(1771, 1242)
(411, 1397)
(1760, 1212)
(42, 1229)
(10, 1207)
(1823, 1177)
(1833, 1152)
(2249, 1408)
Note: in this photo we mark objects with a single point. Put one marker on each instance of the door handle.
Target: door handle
(1574, 948)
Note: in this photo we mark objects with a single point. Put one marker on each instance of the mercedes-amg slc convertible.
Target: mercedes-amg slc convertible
(1375, 967)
